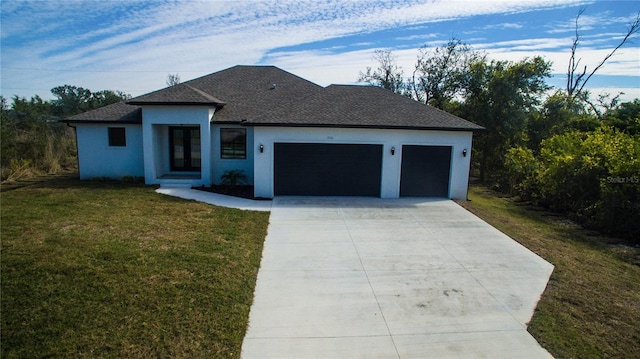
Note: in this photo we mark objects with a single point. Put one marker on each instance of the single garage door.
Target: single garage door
(313, 169)
(425, 171)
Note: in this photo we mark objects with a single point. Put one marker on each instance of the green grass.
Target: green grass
(106, 269)
(591, 307)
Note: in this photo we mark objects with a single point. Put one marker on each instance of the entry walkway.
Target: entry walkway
(406, 278)
(215, 198)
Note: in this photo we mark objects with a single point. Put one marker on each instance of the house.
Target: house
(289, 135)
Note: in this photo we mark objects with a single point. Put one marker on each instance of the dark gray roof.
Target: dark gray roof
(245, 92)
(119, 112)
(269, 96)
(180, 94)
(362, 106)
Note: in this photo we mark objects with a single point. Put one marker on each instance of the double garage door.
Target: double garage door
(314, 169)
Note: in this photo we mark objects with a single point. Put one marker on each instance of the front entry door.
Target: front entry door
(184, 143)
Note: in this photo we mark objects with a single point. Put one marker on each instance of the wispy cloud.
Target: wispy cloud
(418, 37)
(503, 26)
(99, 44)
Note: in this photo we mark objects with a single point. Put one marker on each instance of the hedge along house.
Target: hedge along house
(289, 136)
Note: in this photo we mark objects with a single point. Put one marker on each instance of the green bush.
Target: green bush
(594, 176)
(519, 166)
(234, 178)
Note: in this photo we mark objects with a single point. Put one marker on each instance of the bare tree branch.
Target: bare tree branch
(573, 65)
(388, 75)
(576, 83)
(173, 80)
(633, 28)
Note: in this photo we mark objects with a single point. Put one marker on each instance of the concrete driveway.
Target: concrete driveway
(376, 278)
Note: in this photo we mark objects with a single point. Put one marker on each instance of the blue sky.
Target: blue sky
(132, 46)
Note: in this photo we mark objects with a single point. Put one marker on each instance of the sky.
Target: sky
(132, 46)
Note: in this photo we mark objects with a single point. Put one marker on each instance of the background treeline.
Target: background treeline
(33, 139)
(555, 147)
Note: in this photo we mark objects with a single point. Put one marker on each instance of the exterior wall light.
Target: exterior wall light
(261, 148)
(464, 153)
(393, 151)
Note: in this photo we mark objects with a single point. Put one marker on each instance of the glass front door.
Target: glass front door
(184, 143)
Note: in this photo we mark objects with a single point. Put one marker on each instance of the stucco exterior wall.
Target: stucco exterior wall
(391, 164)
(155, 123)
(97, 159)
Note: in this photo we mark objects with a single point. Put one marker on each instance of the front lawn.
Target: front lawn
(107, 269)
(591, 307)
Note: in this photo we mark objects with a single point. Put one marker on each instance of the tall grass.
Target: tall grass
(34, 144)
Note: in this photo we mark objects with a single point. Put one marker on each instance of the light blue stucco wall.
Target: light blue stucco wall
(156, 121)
(220, 165)
(97, 159)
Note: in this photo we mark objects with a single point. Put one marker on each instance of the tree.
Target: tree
(107, 97)
(173, 80)
(625, 117)
(388, 75)
(72, 100)
(558, 115)
(576, 78)
(500, 96)
(438, 74)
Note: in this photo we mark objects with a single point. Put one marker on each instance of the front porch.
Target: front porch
(177, 153)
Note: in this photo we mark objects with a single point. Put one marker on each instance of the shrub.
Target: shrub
(234, 177)
(595, 176)
(519, 166)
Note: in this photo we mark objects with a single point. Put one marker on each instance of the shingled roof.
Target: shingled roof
(362, 107)
(269, 96)
(180, 94)
(119, 112)
(245, 92)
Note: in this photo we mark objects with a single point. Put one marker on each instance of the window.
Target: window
(233, 142)
(117, 137)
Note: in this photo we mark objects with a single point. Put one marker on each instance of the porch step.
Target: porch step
(175, 185)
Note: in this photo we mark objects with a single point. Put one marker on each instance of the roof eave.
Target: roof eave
(68, 120)
(176, 103)
(380, 127)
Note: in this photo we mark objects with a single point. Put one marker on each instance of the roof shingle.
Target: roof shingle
(269, 96)
(245, 91)
(180, 94)
(119, 112)
(362, 106)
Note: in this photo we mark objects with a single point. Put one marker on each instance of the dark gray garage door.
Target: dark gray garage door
(312, 169)
(425, 171)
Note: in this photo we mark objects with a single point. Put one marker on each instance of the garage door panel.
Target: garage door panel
(425, 171)
(313, 169)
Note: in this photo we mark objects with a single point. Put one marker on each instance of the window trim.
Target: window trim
(235, 145)
(117, 136)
